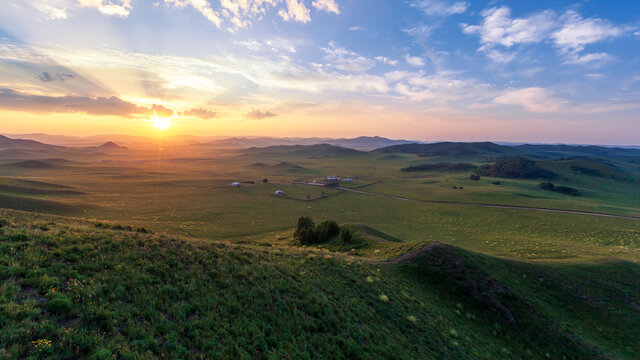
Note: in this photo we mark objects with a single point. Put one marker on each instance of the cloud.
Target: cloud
(414, 60)
(594, 58)
(258, 115)
(54, 9)
(386, 60)
(120, 8)
(534, 99)
(326, 5)
(499, 28)
(202, 6)
(570, 33)
(440, 7)
(200, 113)
(161, 111)
(577, 32)
(46, 77)
(421, 31)
(276, 45)
(346, 60)
(114, 106)
(501, 57)
(296, 11)
(357, 28)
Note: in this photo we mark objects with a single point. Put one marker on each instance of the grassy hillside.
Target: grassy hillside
(71, 289)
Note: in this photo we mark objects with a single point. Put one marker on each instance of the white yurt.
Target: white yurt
(236, 184)
(278, 193)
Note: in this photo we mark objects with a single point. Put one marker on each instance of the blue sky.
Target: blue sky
(544, 71)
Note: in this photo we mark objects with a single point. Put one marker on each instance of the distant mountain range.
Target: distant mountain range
(359, 143)
(16, 147)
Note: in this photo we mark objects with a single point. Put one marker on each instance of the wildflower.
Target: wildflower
(41, 344)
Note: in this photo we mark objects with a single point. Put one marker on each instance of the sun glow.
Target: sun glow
(161, 123)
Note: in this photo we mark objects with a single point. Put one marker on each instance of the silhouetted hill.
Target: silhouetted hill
(367, 142)
(9, 143)
(111, 145)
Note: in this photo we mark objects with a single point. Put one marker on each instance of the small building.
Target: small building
(278, 193)
(236, 184)
(347, 180)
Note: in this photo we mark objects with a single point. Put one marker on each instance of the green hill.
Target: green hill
(79, 289)
(452, 149)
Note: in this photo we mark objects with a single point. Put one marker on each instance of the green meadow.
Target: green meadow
(156, 255)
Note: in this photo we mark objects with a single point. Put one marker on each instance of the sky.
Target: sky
(522, 71)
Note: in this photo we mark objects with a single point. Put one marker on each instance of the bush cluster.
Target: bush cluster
(514, 167)
(559, 189)
(308, 233)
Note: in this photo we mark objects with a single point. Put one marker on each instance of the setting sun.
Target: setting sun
(161, 123)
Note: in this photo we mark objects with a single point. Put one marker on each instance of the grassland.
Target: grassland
(81, 289)
(221, 275)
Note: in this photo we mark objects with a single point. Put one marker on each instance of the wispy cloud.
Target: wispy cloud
(120, 8)
(570, 33)
(296, 11)
(200, 113)
(255, 114)
(114, 106)
(326, 5)
(534, 99)
(346, 60)
(440, 7)
(577, 32)
(414, 60)
(499, 28)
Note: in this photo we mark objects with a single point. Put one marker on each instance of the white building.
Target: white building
(348, 180)
(278, 193)
(236, 184)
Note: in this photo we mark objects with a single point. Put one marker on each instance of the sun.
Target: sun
(161, 123)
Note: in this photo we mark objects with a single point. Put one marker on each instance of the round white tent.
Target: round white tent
(236, 184)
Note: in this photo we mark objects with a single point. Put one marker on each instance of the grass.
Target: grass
(165, 259)
(78, 290)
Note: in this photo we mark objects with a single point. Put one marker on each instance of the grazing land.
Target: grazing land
(145, 252)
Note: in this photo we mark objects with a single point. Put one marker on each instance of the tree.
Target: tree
(326, 230)
(264, 181)
(474, 177)
(305, 231)
(345, 237)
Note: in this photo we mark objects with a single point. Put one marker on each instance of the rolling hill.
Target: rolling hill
(557, 151)
(9, 143)
(315, 151)
(452, 149)
(81, 289)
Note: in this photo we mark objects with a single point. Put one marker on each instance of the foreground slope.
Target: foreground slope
(71, 289)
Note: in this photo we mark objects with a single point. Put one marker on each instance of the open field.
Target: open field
(77, 289)
(164, 238)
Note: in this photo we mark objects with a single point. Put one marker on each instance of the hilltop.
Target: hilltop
(86, 289)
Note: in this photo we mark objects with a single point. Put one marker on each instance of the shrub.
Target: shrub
(559, 189)
(264, 181)
(474, 177)
(326, 230)
(60, 305)
(345, 236)
(305, 231)
(514, 167)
